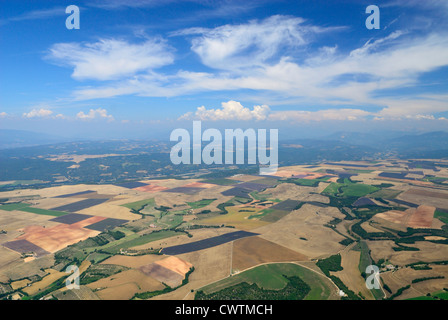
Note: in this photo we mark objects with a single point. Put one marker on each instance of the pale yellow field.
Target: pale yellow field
(307, 222)
(20, 284)
(198, 234)
(210, 265)
(235, 218)
(428, 252)
(350, 275)
(45, 282)
(403, 277)
(124, 285)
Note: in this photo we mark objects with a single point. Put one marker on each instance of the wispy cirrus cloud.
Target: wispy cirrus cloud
(35, 15)
(109, 59)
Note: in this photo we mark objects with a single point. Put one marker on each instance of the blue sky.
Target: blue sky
(142, 68)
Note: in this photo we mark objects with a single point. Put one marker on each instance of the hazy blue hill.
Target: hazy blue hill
(21, 138)
(437, 140)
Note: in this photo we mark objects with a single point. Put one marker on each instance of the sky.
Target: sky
(139, 69)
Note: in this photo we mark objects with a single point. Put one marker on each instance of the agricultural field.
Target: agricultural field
(308, 232)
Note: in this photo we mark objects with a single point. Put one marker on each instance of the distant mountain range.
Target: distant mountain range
(339, 144)
(394, 141)
(22, 138)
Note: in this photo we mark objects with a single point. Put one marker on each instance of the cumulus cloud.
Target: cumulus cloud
(38, 113)
(95, 114)
(3, 114)
(109, 59)
(231, 110)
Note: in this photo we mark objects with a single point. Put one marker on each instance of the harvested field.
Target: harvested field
(350, 275)
(113, 211)
(20, 284)
(132, 261)
(237, 217)
(210, 265)
(56, 238)
(199, 185)
(424, 196)
(422, 217)
(45, 282)
(124, 285)
(198, 234)
(400, 278)
(206, 243)
(252, 251)
(244, 177)
(162, 274)
(83, 293)
(307, 222)
(151, 188)
(16, 269)
(395, 216)
(428, 252)
(286, 191)
(282, 173)
(175, 264)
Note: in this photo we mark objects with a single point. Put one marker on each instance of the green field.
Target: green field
(13, 206)
(332, 189)
(136, 240)
(200, 204)
(271, 277)
(349, 189)
(44, 211)
(442, 216)
(386, 194)
(439, 295)
(26, 207)
(138, 205)
(310, 182)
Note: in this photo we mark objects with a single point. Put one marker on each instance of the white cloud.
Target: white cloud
(276, 56)
(95, 114)
(3, 114)
(231, 110)
(251, 44)
(38, 113)
(109, 59)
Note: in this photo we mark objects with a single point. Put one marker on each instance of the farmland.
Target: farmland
(306, 232)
